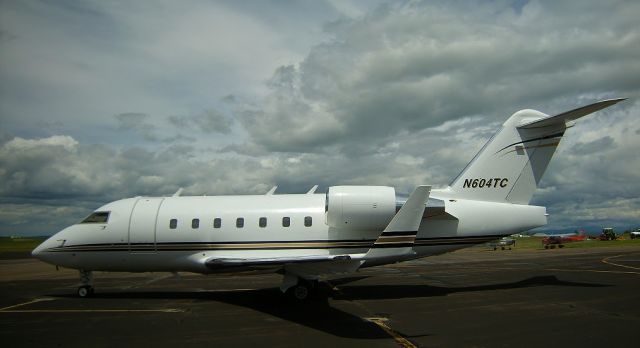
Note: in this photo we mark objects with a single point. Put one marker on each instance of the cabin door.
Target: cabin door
(142, 226)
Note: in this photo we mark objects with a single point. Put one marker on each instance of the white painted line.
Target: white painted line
(167, 310)
(26, 303)
(590, 270)
(226, 290)
(606, 260)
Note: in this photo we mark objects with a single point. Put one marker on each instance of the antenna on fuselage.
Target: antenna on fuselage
(273, 189)
(178, 193)
(313, 190)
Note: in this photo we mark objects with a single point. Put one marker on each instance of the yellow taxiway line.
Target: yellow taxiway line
(382, 323)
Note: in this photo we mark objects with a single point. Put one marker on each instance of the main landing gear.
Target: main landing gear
(86, 280)
(297, 288)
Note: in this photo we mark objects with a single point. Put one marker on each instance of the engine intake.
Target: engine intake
(360, 207)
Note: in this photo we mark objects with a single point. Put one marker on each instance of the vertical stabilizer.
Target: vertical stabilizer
(510, 166)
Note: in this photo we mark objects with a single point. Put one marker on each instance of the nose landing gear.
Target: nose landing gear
(85, 291)
(86, 284)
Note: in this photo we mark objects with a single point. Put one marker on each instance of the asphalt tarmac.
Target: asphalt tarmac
(470, 298)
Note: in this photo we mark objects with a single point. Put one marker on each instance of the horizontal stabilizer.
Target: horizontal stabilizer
(574, 114)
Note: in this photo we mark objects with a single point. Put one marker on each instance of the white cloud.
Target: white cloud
(19, 144)
(234, 97)
(418, 65)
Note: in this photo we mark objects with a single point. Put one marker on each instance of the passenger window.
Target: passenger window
(262, 222)
(195, 223)
(98, 217)
(308, 221)
(217, 222)
(173, 223)
(240, 222)
(286, 221)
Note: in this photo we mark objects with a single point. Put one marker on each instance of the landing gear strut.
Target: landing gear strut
(86, 284)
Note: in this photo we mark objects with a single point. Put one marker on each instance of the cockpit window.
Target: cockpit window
(99, 217)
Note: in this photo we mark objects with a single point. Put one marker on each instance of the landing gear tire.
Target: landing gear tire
(85, 291)
(304, 290)
(301, 291)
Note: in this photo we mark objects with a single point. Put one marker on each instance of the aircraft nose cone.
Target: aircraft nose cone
(37, 252)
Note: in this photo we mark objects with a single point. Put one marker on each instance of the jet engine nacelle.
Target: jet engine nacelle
(360, 207)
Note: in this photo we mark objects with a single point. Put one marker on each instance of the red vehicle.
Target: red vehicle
(561, 239)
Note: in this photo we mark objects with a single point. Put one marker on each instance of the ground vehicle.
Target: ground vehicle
(560, 239)
(635, 234)
(608, 234)
(502, 243)
(551, 242)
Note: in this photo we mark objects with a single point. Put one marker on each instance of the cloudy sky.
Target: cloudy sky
(101, 100)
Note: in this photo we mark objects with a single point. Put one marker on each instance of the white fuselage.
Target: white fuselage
(180, 233)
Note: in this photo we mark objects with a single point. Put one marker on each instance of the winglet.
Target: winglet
(398, 238)
(571, 115)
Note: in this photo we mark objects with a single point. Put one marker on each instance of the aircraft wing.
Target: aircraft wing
(398, 238)
(270, 262)
(571, 115)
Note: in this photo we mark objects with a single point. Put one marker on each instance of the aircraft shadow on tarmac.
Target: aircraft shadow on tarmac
(320, 315)
(380, 292)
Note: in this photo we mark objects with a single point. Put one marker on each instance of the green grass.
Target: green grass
(536, 243)
(19, 244)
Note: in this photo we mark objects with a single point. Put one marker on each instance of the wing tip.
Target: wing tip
(572, 114)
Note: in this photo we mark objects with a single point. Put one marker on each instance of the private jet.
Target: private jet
(311, 237)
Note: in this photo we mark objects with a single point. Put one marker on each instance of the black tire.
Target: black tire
(85, 291)
(301, 291)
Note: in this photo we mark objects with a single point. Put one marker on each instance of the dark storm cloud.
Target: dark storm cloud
(138, 123)
(209, 121)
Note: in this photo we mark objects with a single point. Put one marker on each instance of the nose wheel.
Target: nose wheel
(85, 291)
(86, 288)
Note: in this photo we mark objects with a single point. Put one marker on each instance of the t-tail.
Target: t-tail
(511, 164)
